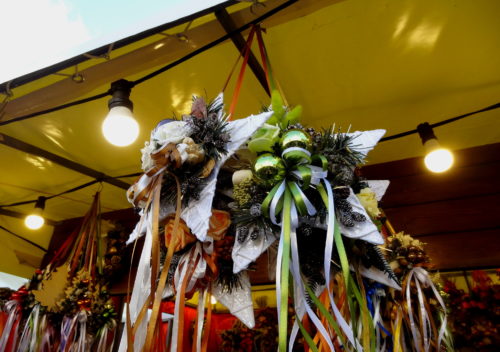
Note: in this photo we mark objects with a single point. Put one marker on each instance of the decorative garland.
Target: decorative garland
(66, 306)
(293, 188)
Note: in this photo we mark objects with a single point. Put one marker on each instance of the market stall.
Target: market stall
(232, 155)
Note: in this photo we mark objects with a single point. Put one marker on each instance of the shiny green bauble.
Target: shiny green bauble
(296, 138)
(269, 169)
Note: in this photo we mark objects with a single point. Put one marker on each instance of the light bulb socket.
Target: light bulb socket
(40, 203)
(120, 92)
(425, 132)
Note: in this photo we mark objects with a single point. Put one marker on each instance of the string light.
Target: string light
(437, 159)
(35, 220)
(120, 128)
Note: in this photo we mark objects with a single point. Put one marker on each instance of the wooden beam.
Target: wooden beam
(229, 26)
(69, 164)
(18, 215)
(459, 250)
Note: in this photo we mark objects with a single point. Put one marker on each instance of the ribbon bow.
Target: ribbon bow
(287, 199)
(139, 192)
(304, 174)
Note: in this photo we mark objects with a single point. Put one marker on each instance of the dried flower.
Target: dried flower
(368, 200)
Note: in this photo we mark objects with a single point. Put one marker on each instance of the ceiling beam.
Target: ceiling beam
(69, 164)
(229, 26)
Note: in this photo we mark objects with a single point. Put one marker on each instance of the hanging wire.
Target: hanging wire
(209, 46)
(160, 70)
(441, 123)
(74, 189)
(22, 238)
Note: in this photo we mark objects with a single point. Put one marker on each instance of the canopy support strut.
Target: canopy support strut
(229, 26)
(69, 164)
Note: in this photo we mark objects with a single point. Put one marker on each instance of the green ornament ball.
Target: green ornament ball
(296, 138)
(269, 169)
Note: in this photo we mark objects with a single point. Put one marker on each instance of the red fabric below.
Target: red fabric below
(220, 322)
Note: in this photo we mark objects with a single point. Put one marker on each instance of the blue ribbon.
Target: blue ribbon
(371, 291)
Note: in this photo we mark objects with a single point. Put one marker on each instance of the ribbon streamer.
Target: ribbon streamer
(288, 199)
(29, 337)
(422, 336)
(13, 309)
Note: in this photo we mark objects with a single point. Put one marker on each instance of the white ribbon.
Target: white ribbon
(29, 337)
(296, 149)
(272, 207)
(201, 313)
(103, 336)
(13, 311)
(421, 276)
(47, 330)
(300, 291)
(330, 239)
(318, 175)
(82, 333)
(177, 309)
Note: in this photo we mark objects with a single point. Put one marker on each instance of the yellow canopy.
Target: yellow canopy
(365, 64)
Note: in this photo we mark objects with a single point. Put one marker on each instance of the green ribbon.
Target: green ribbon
(285, 271)
(302, 168)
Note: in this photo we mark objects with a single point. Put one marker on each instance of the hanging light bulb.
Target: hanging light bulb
(213, 300)
(120, 128)
(437, 159)
(34, 221)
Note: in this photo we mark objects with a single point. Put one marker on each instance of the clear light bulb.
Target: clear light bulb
(120, 128)
(35, 220)
(439, 160)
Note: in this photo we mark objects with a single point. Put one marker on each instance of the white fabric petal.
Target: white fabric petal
(198, 212)
(239, 301)
(379, 187)
(366, 230)
(379, 276)
(247, 252)
(364, 141)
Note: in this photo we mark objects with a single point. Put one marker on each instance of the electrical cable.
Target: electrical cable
(22, 238)
(209, 46)
(160, 70)
(74, 189)
(178, 62)
(441, 123)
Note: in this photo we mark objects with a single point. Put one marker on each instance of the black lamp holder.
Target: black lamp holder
(120, 92)
(40, 202)
(425, 132)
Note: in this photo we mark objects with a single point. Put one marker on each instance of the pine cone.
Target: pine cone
(242, 234)
(343, 205)
(345, 219)
(358, 217)
(345, 177)
(254, 235)
(342, 193)
(256, 210)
